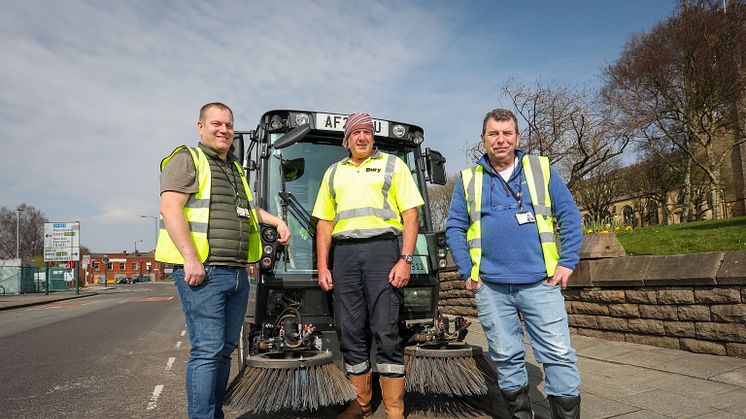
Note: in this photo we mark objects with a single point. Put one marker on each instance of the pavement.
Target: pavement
(12, 301)
(619, 379)
(627, 380)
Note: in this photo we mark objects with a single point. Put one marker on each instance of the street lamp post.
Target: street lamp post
(155, 222)
(139, 261)
(18, 232)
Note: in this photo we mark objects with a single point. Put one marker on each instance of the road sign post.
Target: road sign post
(105, 260)
(62, 244)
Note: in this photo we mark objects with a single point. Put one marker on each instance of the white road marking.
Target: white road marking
(61, 305)
(178, 344)
(183, 332)
(153, 403)
(170, 363)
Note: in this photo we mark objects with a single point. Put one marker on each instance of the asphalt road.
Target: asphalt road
(115, 355)
(123, 354)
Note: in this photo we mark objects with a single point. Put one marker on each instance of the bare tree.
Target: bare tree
(699, 197)
(31, 225)
(569, 125)
(677, 84)
(601, 188)
(440, 201)
(652, 182)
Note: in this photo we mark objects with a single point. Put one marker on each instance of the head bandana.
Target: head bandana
(354, 122)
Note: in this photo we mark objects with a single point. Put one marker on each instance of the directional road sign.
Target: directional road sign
(61, 242)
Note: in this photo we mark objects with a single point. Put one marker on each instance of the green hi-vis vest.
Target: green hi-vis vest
(536, 169)
(197, 213)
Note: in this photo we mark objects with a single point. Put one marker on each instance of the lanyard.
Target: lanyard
(233, 183)
(508, 190)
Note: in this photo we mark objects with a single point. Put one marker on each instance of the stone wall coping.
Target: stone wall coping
(696, 269)
(733, 269)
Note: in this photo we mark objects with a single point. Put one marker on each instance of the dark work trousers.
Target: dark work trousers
(365, 303)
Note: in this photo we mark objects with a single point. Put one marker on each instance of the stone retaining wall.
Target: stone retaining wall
(691, 302)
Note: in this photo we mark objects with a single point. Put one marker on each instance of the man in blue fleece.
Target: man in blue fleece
(501, 233)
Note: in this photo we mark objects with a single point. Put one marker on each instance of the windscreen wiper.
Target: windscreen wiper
(301, 214)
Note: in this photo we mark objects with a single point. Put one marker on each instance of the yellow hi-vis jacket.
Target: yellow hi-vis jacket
(197, 213)
(536, 170)
(367, 200)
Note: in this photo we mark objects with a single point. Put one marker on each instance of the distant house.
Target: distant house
(643, 196)
(129, 266)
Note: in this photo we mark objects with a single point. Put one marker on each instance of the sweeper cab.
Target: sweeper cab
(285, 158)
(288, 344)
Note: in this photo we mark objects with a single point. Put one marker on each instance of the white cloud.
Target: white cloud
(94, 94)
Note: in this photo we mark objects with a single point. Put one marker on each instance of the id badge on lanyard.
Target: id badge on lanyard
(525, 217)
(243, 212)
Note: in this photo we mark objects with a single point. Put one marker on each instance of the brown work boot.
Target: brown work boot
(392, 390)
(360, 407)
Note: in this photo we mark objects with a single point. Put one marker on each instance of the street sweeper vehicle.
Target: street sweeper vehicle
(289, 327)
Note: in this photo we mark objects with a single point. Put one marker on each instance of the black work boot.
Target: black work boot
(518, 403)
(564, 407)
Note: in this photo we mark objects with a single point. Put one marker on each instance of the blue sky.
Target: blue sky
(94, 94)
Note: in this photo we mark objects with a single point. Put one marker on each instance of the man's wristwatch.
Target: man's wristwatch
(408, 258)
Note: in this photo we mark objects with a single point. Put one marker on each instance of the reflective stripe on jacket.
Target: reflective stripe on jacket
(197, 213)
(536, 169)
(366, 200)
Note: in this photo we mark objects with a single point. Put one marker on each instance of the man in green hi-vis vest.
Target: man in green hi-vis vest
(210, 232)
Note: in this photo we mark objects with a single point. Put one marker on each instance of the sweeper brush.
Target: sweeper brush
(441, 363)
(451, 370)
(297, 380)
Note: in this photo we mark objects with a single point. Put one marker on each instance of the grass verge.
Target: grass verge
(695, 237)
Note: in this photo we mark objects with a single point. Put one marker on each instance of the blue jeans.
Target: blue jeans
(543, 310)
(214, 312)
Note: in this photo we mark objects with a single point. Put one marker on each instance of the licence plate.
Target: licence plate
(333, 122)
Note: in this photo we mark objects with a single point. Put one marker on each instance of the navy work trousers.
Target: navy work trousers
(366, 303)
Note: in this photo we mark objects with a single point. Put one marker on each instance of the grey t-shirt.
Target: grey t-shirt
(180, 175)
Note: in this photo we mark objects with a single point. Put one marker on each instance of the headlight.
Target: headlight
(276, 122)
(398, 131)
(267, 249)
(441, 253)
(302, 119)
(269, 235)
(417, 138)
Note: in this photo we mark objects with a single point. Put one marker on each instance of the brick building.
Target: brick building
(123, 265)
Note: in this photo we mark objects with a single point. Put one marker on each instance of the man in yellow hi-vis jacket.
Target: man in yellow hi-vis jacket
(210, 232)
(366, 201)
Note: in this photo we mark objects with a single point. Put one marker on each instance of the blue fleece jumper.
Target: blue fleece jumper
(511, 252)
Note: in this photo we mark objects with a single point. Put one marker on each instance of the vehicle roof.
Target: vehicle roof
(273, 111)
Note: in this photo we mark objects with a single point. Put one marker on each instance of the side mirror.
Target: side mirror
(292, 137)
(293, 169)
(436, 167)
(238, 149)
